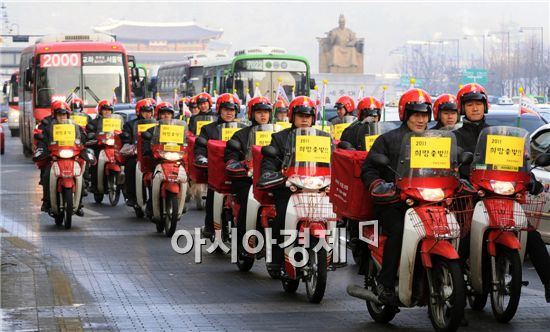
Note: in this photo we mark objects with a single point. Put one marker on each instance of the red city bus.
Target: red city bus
(92, 67)
(13, 103)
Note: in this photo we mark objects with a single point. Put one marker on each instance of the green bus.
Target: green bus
(263, 67)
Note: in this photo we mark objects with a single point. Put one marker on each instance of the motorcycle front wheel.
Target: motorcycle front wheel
(67, 207)
(506, 289)
(447, 294)
(170, 214)
(316, 278)
(113, 189)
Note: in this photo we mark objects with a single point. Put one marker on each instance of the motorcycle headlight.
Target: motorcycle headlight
(503, 187)
(432, 194)
(172, 156)
(110, 141)
(309, 182)
(66, 153)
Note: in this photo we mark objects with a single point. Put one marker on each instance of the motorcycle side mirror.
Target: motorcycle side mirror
(269, 151)
(345, 145)
(201, 141)
(379, 160)
(146, 135)
(90, 135)
(543, 160)
(234, 145)
(38, 137)
(466, 158)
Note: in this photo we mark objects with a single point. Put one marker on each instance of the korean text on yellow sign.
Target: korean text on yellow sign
(505, 151)
(338, 129)
(144, 126)
(227, 133)
(172, 134)
(313, 149)
(263, 138)
(369, 141)
(64, 134)
(81, 120)
(430, 152)
(201, 124)
(112, 124)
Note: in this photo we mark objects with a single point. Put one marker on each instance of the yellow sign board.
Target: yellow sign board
(81, 120)
(172, 134)
(111, 124)
(430, 152)
(284, 124)
(369, 141)
(227, 133)
(263, 138)
(314, 149)
(201, 124)
(64, 134)
(171, 147)
(339, 129)
(144, 126)
(505, 151)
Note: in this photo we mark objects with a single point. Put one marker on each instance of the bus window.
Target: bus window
(55, 81)
(103, 75)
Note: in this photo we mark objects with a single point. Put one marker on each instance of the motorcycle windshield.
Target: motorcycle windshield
(111, 124)
(428, 161)
(308, 153)
(203, 120)
(260, 135)
(226, 130)
(502, 148)
(339, 125)
(171, 134)
(65, 133)
(80, 119)
(375, 129)
(143, 125)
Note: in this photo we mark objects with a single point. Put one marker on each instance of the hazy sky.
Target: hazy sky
(294, 25)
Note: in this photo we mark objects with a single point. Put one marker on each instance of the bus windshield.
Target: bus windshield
(268, 73)
(91, 76)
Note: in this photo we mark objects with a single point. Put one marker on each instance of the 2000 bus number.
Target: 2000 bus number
(60, 60)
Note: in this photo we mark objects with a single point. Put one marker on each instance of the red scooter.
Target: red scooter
(429, 269)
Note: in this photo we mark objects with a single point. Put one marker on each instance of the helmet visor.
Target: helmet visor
(413, 107)
(146, 108)
(448, 107)
(107, 107)
(261, 107)
(281, 110)
(473, 96)
(304, 110)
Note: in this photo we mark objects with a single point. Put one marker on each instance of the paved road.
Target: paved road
(113, 272)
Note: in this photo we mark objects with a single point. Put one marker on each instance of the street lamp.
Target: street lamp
(541, 29)
(457, 41)
(483, 52)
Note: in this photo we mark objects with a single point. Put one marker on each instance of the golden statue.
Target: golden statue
(341, 51)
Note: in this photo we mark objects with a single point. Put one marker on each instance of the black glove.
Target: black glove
(270, 180)
(384, 192)
(466, 188)
(236, 169)
(39, 154)
(534, 187)
(201, 161)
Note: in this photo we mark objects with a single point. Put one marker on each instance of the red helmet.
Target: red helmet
(281, 106)
(303, 105)
(193, 102)
(225, 100)
(181, 102)
(152, 101)
(144, 105)
(205, 97)
(346, 102)
(444, 102)
(472, 91)
(77, 104)
(104, 105)
(369, 106)
(414, 100)
(163, 107)
(256, 104)
(60, 107)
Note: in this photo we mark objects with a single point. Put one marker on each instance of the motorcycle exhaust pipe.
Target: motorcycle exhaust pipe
(362, 293)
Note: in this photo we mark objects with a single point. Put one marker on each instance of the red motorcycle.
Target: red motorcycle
(144, 168)
(429, 269)
(110, 179)
(501, 173)
(309, 220)
(65, 183)
(260, 206)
